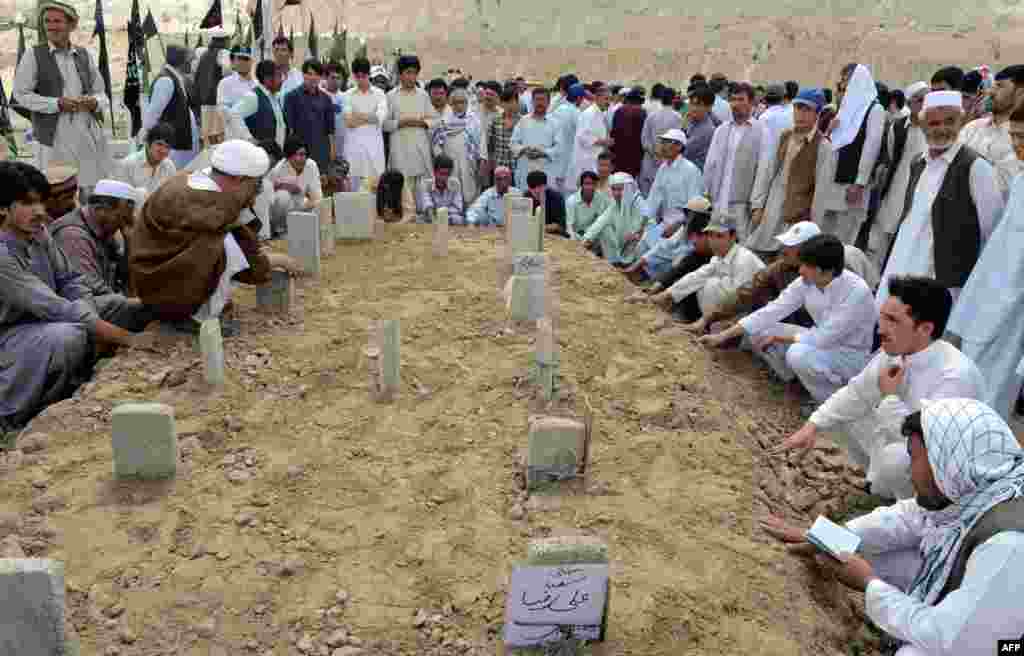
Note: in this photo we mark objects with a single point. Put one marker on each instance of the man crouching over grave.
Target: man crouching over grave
(89, 237)
(731, 267)
(49, 321)
(197, 237)
(942, 572)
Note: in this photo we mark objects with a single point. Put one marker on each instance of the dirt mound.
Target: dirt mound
(306, 518)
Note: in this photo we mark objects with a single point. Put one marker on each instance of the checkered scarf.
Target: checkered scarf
(978, 464)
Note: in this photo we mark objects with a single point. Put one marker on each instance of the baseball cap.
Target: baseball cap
(798, 233)
(721, 223)
(674, 134)
(812, 98)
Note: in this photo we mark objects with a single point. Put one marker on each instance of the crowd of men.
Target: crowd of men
(861, 246)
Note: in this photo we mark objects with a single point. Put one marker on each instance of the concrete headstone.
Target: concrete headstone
(556, 452)
(354, 215)
(440, 242)
(551, 604)
(211, 345)
(384, 357)
(145, 442)
(276, 295)
(304, 240)
(547, 357)
(526, 300)
(326, 210)
(523, 234)
(32, 598)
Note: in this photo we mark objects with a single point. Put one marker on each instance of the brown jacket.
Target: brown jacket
(800, 186)
(178, 255)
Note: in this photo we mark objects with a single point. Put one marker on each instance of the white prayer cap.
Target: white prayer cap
(937, 99)
(620, 178)
(217, 32)
(116, 189)
(798, 233)
(914, 89)
(238, 157)
(676, 135)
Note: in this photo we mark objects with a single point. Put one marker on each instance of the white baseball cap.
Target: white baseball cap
(674, 134)
(798, 233)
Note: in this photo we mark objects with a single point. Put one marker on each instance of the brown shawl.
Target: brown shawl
(178, 255)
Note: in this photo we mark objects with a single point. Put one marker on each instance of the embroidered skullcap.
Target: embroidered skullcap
(116, 189)
(937, 99)
(238, 157)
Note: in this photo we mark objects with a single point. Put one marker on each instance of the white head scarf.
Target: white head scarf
(860, 93)
(977, 463)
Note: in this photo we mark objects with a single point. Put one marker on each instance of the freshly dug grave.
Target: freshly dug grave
(306, 518)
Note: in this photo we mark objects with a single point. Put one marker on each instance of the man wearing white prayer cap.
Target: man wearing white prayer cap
(197, 237)
(845, 170)
(89, 237)
(906, 142)
(953, 203)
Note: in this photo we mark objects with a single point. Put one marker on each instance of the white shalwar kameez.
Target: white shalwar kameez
(890, 210)
(869, 425)
(836, 349)
(591, 127)
(364, 145)
(718, 279)
(79, 137)
(976, 461)
(913, 252)
(987, 317)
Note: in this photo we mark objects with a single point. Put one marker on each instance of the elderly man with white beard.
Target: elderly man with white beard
(941, 573)
(953, 204)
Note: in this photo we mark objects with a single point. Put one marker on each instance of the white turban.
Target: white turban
(914, 89)
(116, 189)
(238, 157)
(937, 99)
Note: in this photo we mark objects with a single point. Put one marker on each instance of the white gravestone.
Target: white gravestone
(144, 441)
(211, 345)
(276, 295)
(354, 215)
(326, 210)
(549, 604)
(32, 601)
(384, 358)
(523, 233)
(440, 243)
(527, 287)
(304, 240)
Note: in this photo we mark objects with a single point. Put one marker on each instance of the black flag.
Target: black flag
(213, 18)
(313, 47)
(149, 28)
(104, 61)
(21, 41)
(132, 77)
(257, 21)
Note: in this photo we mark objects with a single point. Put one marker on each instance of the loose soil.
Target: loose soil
(307, 518)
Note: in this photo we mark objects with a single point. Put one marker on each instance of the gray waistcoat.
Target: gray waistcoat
(748, 153)
(50, 83)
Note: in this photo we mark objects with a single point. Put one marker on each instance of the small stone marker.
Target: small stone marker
(304, 240)
(32, 594)
(441, 232)
(326, 210)
(547, 356)
(354, 215)
(527, 287)
(144, 441)
(384, 357)
(276, 295)
(569, 549)
(523, 233)
(211, 345)
(558, 451)
(548, 604)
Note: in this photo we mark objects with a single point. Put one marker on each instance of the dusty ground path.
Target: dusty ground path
(302, 508)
